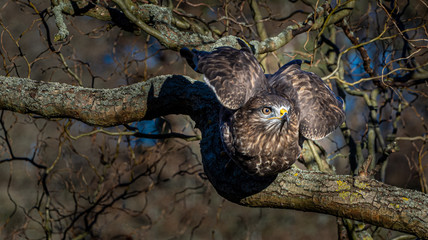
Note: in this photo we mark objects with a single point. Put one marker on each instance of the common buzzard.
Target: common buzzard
(265, 117)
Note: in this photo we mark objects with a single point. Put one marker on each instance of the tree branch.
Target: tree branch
(357, 198)
(159, 22)
(315, 21)
(101, 107)
(345, 196)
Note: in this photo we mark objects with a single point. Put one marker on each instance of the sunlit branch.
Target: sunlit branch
(273, 43)
(351, 48)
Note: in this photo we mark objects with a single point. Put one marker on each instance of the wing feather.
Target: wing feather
(321, 111)
(234, 75)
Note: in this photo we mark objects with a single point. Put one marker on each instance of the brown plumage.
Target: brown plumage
(264, 116)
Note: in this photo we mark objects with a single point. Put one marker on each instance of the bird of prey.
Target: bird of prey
(265, 118)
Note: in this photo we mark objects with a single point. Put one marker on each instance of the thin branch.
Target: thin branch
(135, 133)
(273, 43)
(363, 52)
(59, 20)
(417, 138)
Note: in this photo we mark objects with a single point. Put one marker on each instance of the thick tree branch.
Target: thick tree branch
(102, 107)
(356, 198)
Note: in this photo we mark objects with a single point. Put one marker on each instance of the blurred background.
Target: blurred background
(62, 179)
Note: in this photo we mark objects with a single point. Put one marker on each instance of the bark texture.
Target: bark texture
(357, 198)
(101, 107)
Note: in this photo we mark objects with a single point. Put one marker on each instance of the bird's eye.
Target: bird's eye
(266, 111)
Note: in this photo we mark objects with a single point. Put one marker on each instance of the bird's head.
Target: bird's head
(269, 111)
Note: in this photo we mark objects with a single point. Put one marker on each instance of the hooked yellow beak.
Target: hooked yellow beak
(282, 113)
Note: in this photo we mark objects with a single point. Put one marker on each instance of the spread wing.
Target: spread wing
(234, 75)
(321, 111)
